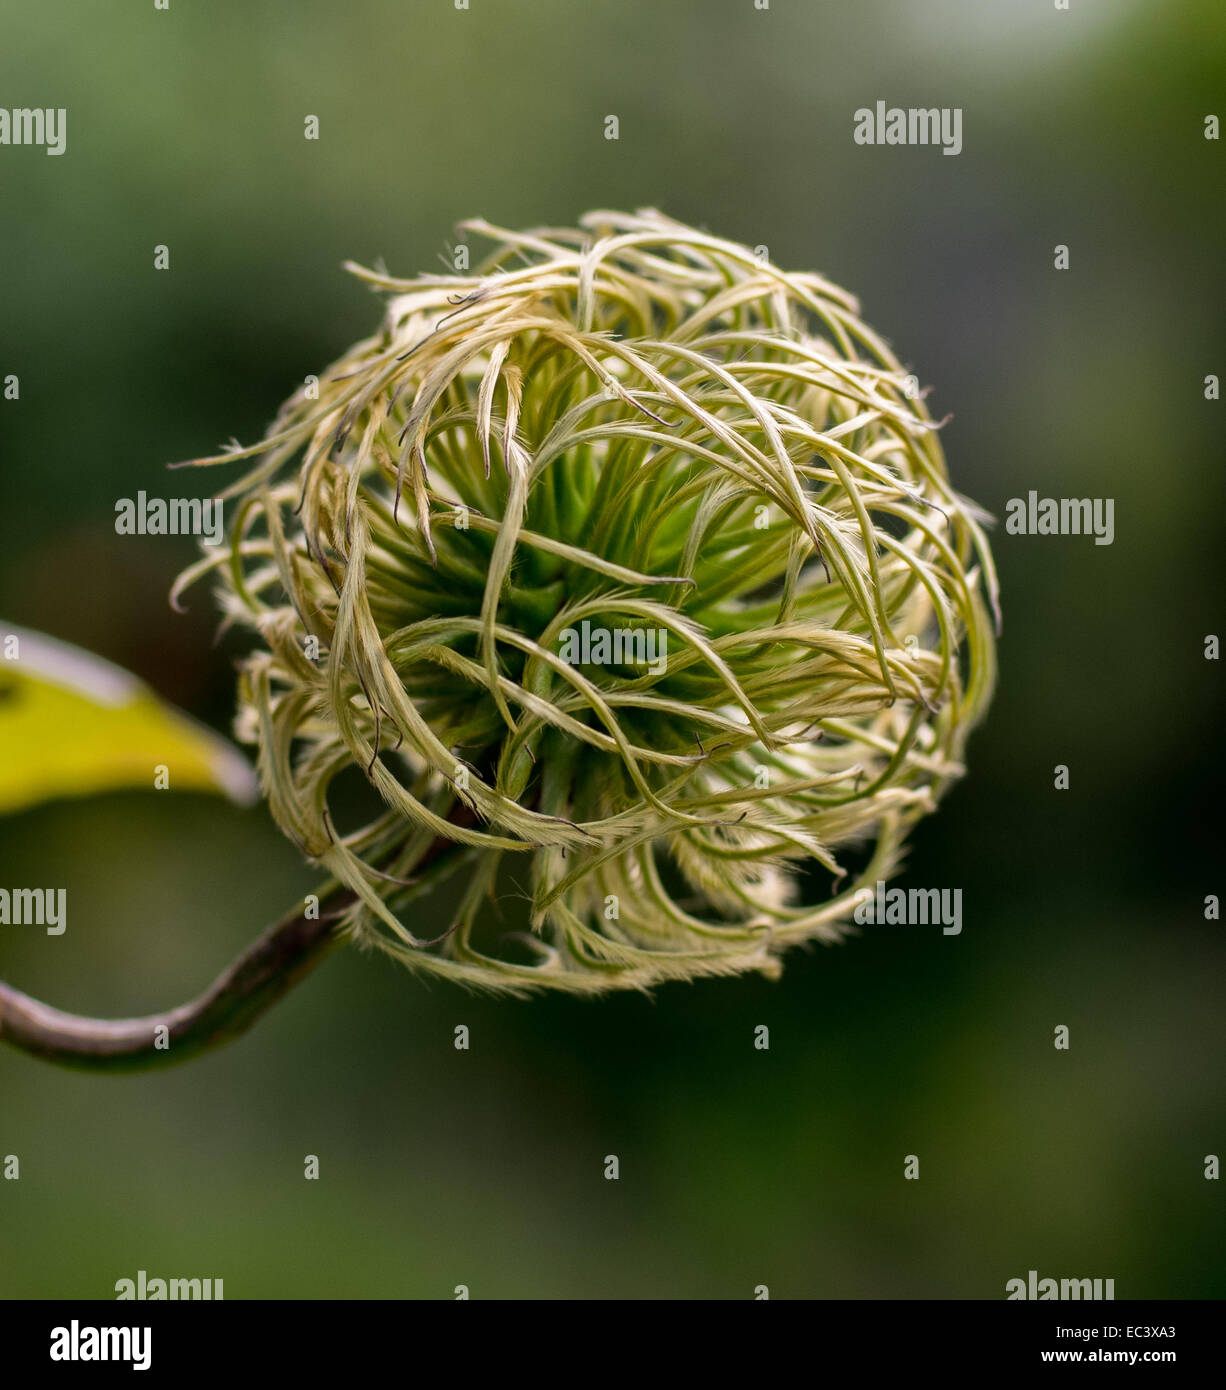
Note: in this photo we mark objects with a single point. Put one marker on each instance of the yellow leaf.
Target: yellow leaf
(72, 724)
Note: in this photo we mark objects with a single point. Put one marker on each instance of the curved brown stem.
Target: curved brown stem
(265, 971)
(231, 1004)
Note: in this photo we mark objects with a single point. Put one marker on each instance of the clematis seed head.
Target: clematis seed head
(627, 570)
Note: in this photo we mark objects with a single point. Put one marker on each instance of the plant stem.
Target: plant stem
(251, 983)
(265, 971)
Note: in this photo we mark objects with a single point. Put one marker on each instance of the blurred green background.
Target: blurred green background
(1083, 908)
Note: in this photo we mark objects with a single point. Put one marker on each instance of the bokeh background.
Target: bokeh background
(1083, 908)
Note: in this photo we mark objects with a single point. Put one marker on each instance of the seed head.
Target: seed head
(628, 572)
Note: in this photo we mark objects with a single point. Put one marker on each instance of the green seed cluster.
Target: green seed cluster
(640, 428)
